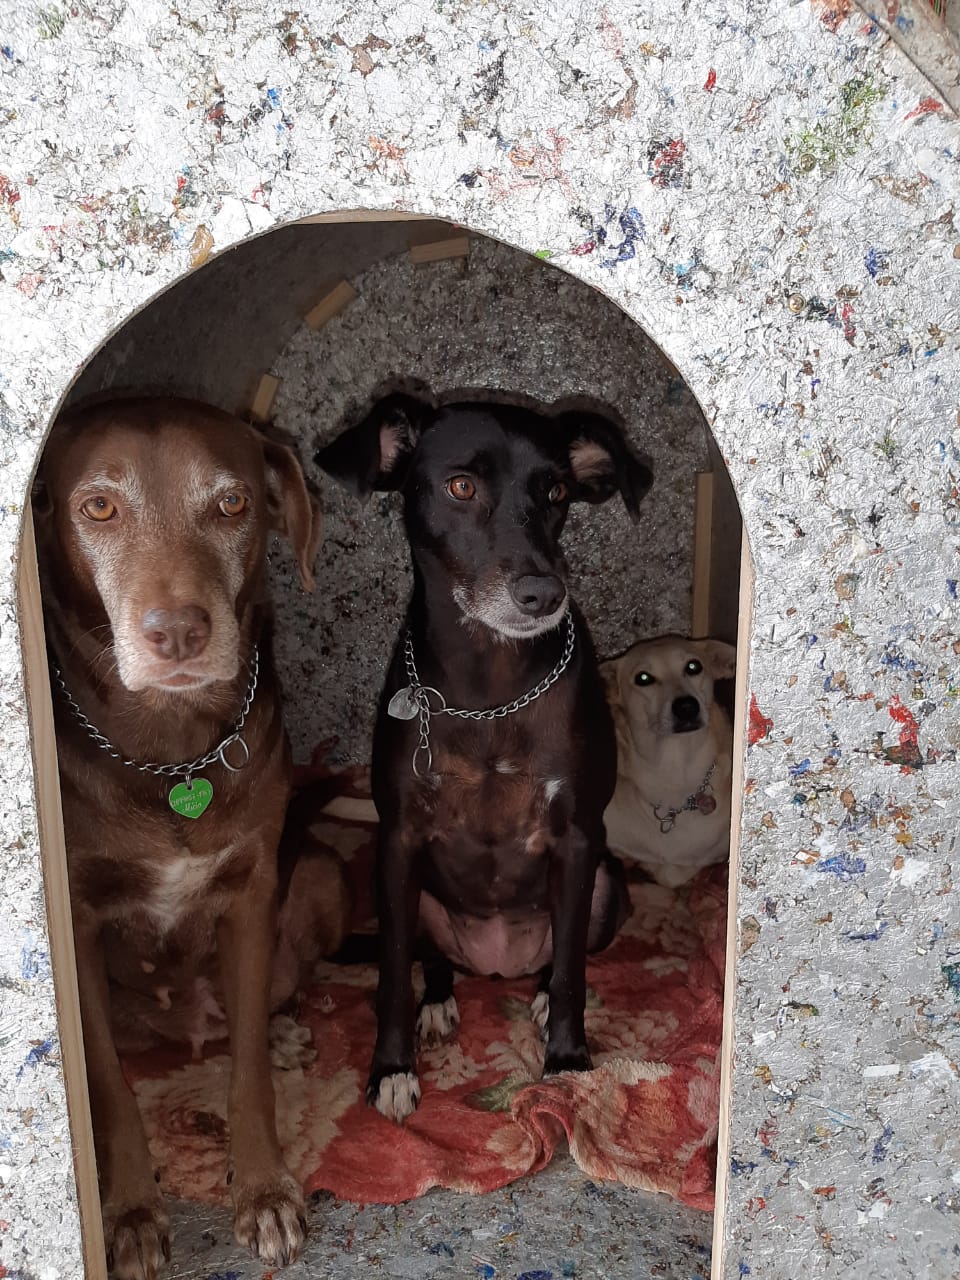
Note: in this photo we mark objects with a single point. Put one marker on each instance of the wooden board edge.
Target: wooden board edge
(263, 398)
(702, 554)
(436, 250)
(361, 215)
(53, 858)
(730, 967)
(333, 301)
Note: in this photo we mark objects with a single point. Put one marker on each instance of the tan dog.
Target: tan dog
(671, 809)
(152, 521)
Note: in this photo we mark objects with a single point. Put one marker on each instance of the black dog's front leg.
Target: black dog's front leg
(393, 1087)
(573, 870)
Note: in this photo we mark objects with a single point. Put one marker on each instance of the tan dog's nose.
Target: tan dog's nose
(177, 633)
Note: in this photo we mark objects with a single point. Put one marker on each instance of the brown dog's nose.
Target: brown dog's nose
(538, 594)
(177, 633)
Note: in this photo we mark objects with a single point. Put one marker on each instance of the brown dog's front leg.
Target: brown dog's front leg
(136, 1228)
(572, 873)
(393, 1087)
(268, 1204)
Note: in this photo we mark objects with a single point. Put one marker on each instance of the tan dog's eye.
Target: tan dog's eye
(558, 493)
(643, 678)
(462, 488)
(693, 667)
(99, 509)
(232, 504)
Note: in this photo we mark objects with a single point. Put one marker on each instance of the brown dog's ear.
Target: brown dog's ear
(375, 454)
(293, 511)
(719, 658)
(602, 462)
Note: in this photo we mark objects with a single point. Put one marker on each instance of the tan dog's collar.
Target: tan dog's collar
(702, 800)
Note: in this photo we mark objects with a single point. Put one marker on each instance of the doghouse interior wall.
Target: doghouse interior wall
(496, 319)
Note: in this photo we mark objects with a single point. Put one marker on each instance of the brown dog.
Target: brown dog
(152, 521)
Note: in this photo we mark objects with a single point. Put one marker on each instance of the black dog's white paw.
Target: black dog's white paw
(555, 1063)
(395, 1096)
(437, 1022)
(540, 1011)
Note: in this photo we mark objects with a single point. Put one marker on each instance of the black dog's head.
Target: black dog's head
(486, 490)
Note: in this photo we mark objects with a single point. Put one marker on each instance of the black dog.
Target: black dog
(492, 851)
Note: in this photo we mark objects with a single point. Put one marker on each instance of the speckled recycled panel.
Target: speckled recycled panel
(502, 321)
(770, 191)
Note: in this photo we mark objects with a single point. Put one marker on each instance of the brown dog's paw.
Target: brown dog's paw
(540, 1011)
(290, 1045)
(396, 1095)
(269, 1218)
(137, 1241)
(437, 1023)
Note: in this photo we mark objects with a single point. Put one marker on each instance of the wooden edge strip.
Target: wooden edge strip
(436, 250)
(331, 304)
(53, 861)
(727, 1044)
(263, 400)
(702, 555)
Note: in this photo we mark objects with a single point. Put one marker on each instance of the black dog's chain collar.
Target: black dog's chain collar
(414, 699)
(185, 770)
(702, 800)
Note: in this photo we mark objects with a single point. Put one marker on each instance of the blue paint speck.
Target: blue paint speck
(952, 974)
(485, 1271)
(6, 51)
(873, 936)
(881, 1144)
(875, 260)
(35, 1056)
(744, 1269)
(738, 1167)
(273, 98)
(952, 588)
(797, 769)
(842, 865)
(441, 1248)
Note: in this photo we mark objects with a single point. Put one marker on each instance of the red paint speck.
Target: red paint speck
(849, 328)
(582, 250)
(924, 108)
(760, 725)
(711, 81)
(9, 195)
(910, 733)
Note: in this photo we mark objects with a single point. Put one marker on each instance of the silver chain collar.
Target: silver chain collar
(701, 799)
(185, 770)
(414, 700)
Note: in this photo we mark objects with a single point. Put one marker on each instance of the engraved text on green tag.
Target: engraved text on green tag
(191, 799)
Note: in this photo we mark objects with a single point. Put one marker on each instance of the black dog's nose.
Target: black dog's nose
(686, 712)
(538, 594)
(177, 633)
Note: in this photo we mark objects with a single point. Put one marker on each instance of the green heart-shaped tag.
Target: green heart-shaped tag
(191, 799)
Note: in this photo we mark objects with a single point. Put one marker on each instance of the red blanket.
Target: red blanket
(645, 1116)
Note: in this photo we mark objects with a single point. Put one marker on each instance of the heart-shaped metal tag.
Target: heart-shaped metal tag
(403, 705)
(190, 799)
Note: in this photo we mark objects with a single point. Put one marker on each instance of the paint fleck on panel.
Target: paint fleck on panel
(760, 726)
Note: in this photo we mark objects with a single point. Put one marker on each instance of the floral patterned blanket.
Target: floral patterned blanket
(645, 1116)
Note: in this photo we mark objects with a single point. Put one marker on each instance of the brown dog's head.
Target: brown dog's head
(665, 686)
(156, 514)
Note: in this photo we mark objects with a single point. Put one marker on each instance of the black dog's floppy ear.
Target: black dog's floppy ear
(374, 455)
(602, 462)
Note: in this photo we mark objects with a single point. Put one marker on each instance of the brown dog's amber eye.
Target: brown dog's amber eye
(693, 667)
(232, 504)
(558, 493)
(462, 488)
(643, 678)
(99, 509)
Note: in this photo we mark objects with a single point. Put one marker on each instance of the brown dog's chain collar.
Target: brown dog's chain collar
(185, 770)
(702, 800)
(414, 699)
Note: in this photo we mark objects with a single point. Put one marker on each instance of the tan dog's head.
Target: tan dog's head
(664, 686)
(156, 514)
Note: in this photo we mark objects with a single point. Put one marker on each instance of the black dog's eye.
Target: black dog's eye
(558, 493)
(693, 667)
(462, 488)
(643, 678)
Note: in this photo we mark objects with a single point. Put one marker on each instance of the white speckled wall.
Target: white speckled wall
(769, 190)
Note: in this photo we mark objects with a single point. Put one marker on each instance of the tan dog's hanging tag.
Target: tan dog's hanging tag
(191, 798)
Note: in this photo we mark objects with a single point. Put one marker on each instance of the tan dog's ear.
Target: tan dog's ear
(610, 675)
(719, 658)
(292, 509)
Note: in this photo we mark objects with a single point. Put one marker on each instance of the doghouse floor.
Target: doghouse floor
(554, 1224)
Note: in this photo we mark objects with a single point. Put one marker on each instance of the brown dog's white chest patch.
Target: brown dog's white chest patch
(180, 881)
